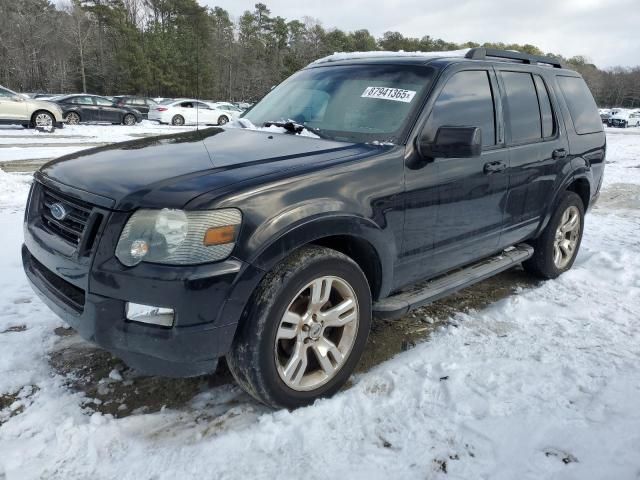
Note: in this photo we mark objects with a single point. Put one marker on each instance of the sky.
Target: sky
(607, 32)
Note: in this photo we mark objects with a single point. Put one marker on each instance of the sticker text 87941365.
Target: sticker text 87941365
(387, 93)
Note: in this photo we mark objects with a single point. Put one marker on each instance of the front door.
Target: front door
(455, 206)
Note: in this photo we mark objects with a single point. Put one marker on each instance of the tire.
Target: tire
(72, 118)
(43, 119)
(177, 120)
(545, 262)
(266, 342)
(129, 119)
(223, 120)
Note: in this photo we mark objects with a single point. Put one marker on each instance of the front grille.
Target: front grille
(73, 225)
(67, 293)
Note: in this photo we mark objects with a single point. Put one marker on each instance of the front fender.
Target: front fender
(279, 237)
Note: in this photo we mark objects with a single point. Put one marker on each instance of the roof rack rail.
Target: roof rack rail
(481, 53)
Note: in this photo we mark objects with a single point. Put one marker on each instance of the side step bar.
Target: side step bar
(401, 303)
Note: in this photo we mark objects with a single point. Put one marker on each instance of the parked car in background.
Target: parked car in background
(188, 111)
(16, 109)
(84, 108)
(142, 104)
(624, 119)
(230, 108)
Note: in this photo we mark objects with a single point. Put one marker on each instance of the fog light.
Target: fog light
(150, 314)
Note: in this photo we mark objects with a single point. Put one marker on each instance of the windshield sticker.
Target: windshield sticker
(395, 94)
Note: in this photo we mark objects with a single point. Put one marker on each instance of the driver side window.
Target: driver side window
(466, 100)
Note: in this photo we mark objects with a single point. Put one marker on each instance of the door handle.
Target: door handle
(559, 153)
(494, 167)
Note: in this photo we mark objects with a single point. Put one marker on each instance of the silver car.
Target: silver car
(15, 109)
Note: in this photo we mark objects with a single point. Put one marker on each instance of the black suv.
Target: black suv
(379, 184)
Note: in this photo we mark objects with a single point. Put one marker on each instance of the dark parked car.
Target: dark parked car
(83, 108)
(396, 181)
(142, 104)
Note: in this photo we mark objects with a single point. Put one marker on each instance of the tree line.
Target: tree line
(178, 48)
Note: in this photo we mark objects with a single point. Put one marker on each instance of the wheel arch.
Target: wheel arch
(42, 110)
(359, 238)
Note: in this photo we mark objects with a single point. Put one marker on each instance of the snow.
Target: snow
(543, 384)
(341, 56)
(245, 123)
(17, 143)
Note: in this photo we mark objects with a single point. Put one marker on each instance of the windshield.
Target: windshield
(355, 103)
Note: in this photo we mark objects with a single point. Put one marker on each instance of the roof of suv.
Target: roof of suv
(421, 58)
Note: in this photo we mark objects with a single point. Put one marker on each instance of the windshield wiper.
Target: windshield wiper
(293, 127)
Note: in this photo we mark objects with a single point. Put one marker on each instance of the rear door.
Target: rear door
(107, 110)
(454, 206)
(87, 109)
(537, 145)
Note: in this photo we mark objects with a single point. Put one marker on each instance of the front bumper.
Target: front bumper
(179, 351)
(90, 291)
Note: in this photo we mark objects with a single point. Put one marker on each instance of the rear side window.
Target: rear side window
(466, 100)
(524, 110)
(582, 106)
(546, 113)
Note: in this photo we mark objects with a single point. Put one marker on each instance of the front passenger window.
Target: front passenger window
(466, 100)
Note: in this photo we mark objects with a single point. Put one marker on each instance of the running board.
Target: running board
(400, 304)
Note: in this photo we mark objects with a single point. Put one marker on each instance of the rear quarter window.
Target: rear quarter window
(582, 106)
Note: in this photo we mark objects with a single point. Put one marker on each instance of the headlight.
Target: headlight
(177, 237)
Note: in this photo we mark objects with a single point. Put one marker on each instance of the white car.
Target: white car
(187, 111)
(230, 108)
(625, 119)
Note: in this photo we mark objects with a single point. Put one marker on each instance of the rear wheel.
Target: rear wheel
(177, 120)
(129, 119)
(223, 120)
(556, 249)
(304, 330)
(72, 118)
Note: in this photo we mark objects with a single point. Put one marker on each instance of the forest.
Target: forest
(178, 48)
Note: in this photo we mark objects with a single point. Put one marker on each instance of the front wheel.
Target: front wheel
(42, 119)
(304, 329)
(72, 118)
(556, 249)
(177, 120)
(223, 120)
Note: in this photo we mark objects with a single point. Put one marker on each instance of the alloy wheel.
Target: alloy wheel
(566, 238)
(43, 120)
(73, 118)
(317, 333)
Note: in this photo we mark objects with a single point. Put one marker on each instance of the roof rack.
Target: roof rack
(481, 53)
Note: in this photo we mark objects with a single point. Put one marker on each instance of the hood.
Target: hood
(170, 170)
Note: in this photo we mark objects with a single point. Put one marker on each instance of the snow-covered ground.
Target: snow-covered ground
(17, 143)
(543, 384)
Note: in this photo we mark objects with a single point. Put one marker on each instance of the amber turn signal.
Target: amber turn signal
(219, 235)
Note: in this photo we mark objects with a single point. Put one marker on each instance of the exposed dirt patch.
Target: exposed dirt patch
(12, 404)
(17, 328)
(111, 387)
(389, 337)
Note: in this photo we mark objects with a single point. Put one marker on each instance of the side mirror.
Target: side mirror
(452, 142)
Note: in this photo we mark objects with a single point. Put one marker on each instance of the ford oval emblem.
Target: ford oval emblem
(58, 211)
